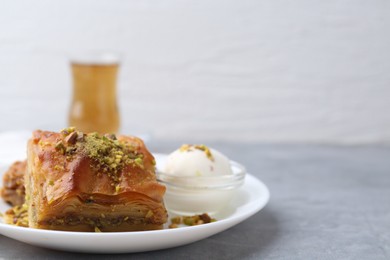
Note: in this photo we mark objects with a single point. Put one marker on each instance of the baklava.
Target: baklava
(92, 182)
(13, 184)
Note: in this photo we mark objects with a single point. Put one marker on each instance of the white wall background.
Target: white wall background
(272, 70)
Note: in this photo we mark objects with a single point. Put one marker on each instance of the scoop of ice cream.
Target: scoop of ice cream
(197, 160)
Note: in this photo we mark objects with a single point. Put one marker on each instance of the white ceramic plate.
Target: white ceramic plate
(251, 198)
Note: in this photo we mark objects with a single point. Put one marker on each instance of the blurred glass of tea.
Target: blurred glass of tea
(94, 105)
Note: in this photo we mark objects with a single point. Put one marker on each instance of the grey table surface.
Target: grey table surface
(327, 202)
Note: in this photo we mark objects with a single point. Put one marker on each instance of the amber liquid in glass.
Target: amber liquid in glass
(94, 106)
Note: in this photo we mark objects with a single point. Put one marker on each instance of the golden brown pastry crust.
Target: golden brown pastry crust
(13, 190)
(70, 191)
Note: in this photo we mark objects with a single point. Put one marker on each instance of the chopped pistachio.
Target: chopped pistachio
(97, 230)
(60, 147)
(205, 217)
(110, 136)
(189, 221)
(68, 130)
(80, 136)
(185, 148)
(43, 143)
(201, 147)
(173, 225)
(205, 149)
(176, 220)
(139, 162)
(71, 138)
(199, 222)
(192, 220)
(18, 215)
(58, 167)
(149, 214)
(71, 150)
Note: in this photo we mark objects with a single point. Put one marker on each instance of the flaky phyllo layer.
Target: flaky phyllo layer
(90, 182)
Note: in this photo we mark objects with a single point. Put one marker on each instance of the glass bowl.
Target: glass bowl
(189, 195)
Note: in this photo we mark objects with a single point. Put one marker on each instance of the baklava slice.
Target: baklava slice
(92, 182)
(13, 184)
